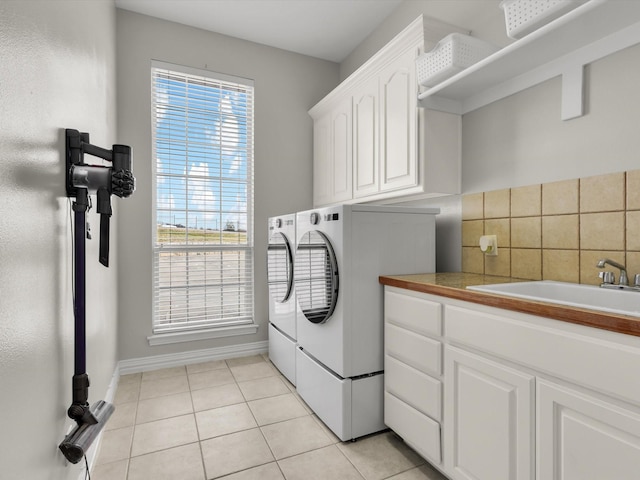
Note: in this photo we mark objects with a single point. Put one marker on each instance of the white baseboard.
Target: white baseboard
(156, 362)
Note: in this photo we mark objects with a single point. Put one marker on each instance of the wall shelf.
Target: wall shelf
(561, 48)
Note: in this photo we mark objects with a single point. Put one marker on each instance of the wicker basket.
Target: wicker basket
(452, 54)
(525, 16)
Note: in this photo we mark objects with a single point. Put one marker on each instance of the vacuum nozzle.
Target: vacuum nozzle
(77, 442)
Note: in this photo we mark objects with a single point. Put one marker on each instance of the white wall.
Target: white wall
(57, 72)
(286, 86)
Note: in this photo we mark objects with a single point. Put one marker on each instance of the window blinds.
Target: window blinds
(203, 243)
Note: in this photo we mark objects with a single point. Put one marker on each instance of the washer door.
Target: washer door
(316, 277)
(279, 267)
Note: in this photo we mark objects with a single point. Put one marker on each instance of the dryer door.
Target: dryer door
(279, 267)
(316, 277)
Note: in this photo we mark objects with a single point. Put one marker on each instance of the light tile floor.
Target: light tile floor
(236, 419)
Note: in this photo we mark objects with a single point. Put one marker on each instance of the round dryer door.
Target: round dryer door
(279, 267)
(316, 277)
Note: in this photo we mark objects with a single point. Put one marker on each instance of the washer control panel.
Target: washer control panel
(315, 218)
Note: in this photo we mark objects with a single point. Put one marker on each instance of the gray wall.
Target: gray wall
(286, 86)
(521, 140)
(57, 72)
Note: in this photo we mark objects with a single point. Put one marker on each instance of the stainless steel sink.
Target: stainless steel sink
(571, 294)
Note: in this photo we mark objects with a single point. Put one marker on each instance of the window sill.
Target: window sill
(178, 337)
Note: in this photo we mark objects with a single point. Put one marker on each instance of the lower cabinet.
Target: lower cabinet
(515, 397)
(581, 437)
(413, 371)
(488, 419)
(418, 430)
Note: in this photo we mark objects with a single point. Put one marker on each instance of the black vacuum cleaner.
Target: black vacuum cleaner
(83, 180)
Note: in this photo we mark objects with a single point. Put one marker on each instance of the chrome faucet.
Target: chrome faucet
(624, 280)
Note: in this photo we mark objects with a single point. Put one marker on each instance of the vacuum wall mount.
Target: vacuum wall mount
(82, 180)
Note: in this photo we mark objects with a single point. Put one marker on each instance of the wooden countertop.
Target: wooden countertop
(453, 285)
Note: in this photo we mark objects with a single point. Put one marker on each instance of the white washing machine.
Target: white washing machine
(341, 251)
(282, 296)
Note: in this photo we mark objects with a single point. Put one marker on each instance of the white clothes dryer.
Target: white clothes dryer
(282, 296)
(341, 251)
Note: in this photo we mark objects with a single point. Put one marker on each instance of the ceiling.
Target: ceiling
(327, 29)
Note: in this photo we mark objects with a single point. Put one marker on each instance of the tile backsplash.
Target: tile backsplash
(555, 231)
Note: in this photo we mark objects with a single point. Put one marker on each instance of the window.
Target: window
(203, 242)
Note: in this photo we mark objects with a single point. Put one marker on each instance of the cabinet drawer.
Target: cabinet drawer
(421, 391)
(413, 349)
(417, 314)
(416, 429)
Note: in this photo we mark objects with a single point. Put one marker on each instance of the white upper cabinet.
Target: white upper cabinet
(365, 135)
(341, 151)
(332, 155)
(392, 152)
(398, 143)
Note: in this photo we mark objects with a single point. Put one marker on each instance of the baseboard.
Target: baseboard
(156, 362)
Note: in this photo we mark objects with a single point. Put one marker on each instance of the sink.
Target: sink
(623, 302)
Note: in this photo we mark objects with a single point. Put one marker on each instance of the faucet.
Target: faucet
(623, 270)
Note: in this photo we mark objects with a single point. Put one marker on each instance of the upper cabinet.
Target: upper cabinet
(332, 155)
(372, 142)
(366, 109)
(561, 48)
(398, 122)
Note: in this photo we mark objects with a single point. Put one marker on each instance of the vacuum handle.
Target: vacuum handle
(121, 158)
(104, 209)
(122, 180)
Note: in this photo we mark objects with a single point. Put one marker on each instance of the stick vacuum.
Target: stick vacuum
(81, 181)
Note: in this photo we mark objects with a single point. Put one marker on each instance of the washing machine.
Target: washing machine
(341, 251)
(282, 297)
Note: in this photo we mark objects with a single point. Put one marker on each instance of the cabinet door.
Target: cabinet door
(332, 155)
(584, 438)
(341, 153)
(488, 419)
(398, 118)
(365, 139)
(322, 161)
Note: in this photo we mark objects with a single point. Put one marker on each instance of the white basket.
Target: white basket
(525, 16)
(452, 54)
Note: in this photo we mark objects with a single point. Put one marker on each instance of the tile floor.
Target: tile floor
(236, 419)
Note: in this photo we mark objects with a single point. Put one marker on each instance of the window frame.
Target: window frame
(215, 328)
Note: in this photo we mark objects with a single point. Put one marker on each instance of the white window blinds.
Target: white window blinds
(203, 243)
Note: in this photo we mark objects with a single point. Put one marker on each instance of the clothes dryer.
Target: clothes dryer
(282, 297)
(341, 251)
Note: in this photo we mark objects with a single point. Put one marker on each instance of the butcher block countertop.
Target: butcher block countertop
(454, 285)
